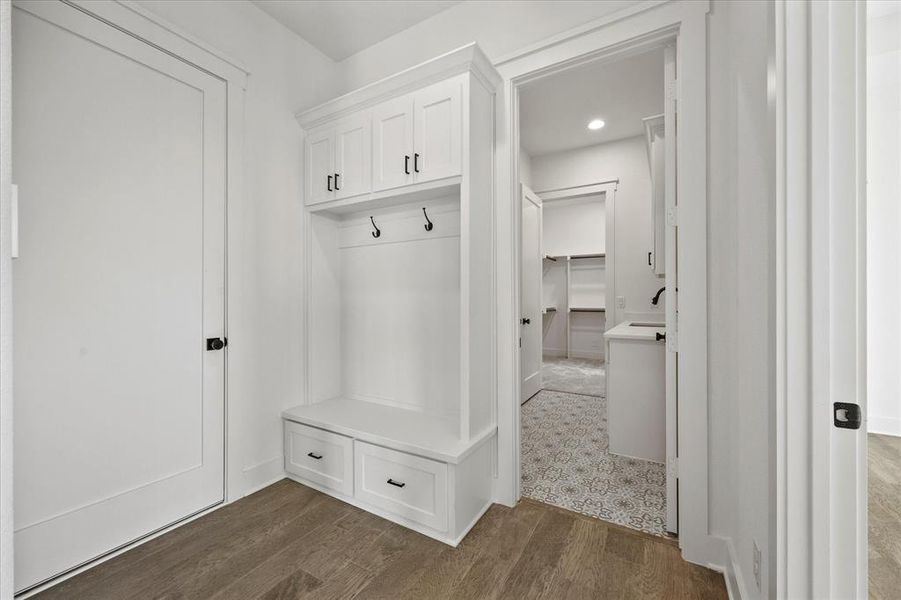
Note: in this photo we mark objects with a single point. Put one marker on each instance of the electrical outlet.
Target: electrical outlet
(757, 565)
(620, 302)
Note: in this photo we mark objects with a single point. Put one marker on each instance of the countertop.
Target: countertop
(626, 331)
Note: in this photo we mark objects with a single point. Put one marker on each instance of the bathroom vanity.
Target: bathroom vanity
(636, 390)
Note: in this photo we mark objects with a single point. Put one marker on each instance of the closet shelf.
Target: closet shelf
(396, 428)
(596, 309)
(574, 256)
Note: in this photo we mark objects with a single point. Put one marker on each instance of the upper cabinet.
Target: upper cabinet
(392, 143)
(416, 137)
(411, 139)
(339, 159)
(437, 125)
(319, 153)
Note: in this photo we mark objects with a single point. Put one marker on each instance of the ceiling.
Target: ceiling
(555, 111)
(340, 28)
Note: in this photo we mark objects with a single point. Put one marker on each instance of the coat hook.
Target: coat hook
(377, 231)
(428, 224)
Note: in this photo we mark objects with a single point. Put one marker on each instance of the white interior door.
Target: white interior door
(119, 153)
(672, 295)
(530, 292)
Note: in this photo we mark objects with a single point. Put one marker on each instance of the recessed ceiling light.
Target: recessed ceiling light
(595, 124)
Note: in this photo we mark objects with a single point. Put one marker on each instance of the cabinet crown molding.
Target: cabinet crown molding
(468, 58)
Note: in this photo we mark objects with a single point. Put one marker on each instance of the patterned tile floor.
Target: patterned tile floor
(565, 462)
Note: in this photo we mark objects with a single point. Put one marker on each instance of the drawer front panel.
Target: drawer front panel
(319, 456)
(409, 486)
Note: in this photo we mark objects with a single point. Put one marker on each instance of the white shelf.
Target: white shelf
(574, 256)
(397, 428)
(595, 309)
(548, 309)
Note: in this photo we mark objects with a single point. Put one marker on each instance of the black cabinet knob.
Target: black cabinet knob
(660, 336)
(526, 321)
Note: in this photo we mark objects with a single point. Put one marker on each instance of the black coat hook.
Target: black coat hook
(377, 231)
(428, 224)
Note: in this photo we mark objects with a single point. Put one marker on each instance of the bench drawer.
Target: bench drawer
(409, 486)
(319, 456)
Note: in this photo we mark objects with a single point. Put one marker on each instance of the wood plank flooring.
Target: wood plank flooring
(289, 541)
(884, 506)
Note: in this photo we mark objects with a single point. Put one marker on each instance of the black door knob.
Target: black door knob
(215, 343)
(526, 321)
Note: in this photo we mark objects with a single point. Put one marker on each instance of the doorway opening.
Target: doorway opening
(598, 413)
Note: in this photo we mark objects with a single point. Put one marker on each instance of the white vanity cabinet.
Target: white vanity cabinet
(398, 414)
(338, 159)
(636, 391)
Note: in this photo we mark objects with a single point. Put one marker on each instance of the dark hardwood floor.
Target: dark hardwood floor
(884, 506)
(289, 541)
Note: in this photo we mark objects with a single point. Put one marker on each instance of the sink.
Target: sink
(641, 324)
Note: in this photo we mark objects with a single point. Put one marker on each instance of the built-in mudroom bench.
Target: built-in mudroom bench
(399, 414)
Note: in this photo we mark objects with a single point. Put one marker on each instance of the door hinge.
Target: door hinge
(672, 216)
(672, 89)
(672, 336)
(846, 415)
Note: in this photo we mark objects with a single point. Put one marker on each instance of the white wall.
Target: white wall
(883, 224)
(575, 226)
(525, 168)
(498, 27)
(626, 160)
(741, 289)
(286, 74)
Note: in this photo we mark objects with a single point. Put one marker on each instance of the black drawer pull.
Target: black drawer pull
(314, 455)
(396, 483)
(416, 163)
(329, 183)
(407, 165)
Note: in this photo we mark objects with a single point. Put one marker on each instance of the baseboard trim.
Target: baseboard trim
(735, 581)
(263, 474)
(884, 425)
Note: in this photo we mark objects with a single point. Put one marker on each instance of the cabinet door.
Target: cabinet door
(438, 129)
(319, 154)
(392, 144)
(353, 156)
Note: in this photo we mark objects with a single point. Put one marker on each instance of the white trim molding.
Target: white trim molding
(636, 29)
(821, 532)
